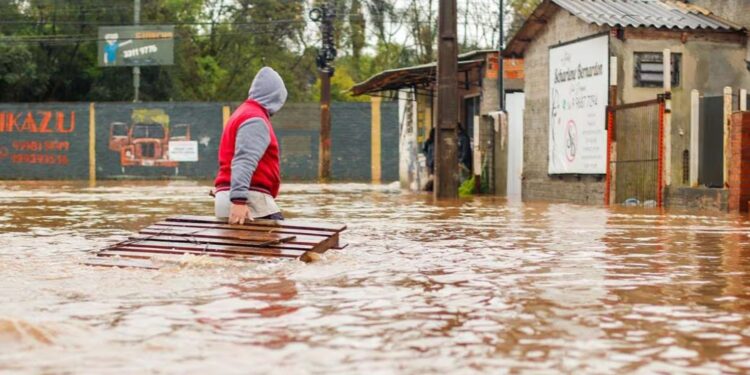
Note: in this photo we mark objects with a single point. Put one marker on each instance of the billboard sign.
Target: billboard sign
(136, 45)
(578, 82)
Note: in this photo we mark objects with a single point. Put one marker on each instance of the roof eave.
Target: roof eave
(428, 71)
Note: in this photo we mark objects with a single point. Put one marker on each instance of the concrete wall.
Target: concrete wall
(537, 184)
(702, 199)
(737, 11)
(297, 127)
(74, 140)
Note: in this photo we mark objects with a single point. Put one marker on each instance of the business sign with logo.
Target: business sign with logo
(136, 45)
(41, 140)
(578, 82)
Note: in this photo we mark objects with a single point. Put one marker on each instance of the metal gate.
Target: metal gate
(711, 142)
(635, 153)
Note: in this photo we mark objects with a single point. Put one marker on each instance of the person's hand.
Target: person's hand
(239, 213)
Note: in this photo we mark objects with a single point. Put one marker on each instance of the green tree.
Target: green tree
(341, 82)
(48, 48)
(520, 11)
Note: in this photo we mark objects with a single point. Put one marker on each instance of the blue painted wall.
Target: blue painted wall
(296, 125)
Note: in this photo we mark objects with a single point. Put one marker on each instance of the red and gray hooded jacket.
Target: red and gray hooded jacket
(249, 151)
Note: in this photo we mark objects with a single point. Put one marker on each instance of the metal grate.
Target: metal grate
(635, 140)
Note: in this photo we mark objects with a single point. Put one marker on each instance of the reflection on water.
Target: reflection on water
(476, 286)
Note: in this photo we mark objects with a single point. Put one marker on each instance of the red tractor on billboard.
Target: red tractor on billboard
(145, 143)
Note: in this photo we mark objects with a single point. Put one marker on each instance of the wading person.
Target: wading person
(248, 179)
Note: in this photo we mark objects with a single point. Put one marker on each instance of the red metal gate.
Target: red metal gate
(635, 153)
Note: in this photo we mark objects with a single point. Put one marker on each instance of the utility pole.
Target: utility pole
(446, 159)
(500, 59)
(136, 69)
(326, 14)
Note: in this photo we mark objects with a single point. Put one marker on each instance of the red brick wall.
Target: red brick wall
(739, 165)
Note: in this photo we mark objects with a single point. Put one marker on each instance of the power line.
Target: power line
(77, 38)
(179, 23)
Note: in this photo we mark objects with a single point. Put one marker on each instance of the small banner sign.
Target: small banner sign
(136, 45)
(183, 150)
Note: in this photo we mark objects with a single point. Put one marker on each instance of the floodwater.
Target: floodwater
(480, 286)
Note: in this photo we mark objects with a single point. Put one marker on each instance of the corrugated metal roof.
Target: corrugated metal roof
(394, 79)
(645, 13)
(659, 14)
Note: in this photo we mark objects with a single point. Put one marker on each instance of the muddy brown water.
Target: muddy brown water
(480, 286)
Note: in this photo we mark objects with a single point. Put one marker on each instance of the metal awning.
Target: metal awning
(419, 76)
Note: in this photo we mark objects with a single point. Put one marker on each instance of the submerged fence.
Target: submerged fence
(635, 158)
(168, 140)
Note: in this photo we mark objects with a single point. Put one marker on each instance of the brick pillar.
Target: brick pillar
(739, 163)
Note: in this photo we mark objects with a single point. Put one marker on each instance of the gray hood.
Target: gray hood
(268, 90)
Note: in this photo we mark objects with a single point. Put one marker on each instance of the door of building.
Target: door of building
(515, 107)
(711, 142)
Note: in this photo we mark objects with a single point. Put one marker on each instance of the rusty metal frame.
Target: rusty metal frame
(611, 138)
(660, 167)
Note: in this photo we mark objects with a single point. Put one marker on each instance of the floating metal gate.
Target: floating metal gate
(635, 153)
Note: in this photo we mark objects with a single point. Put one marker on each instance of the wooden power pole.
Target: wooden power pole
(324, 154)
(325, 15)
(136, 69)
(446, 151)
(500, 59)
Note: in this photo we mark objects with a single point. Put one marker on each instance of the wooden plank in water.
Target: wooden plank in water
(146, 253)
(327, 244)
(293, 238)
(268, 223)
(254, 237)
(245, 227)
(208, 236)
(120, 262)
(221, 241)
(208, 249)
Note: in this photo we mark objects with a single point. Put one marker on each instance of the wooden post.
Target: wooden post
(446, 160)
(694, 136)
(92, 145)
(477, 155)
(225, 114)
(727, 114)
(375, 150)
(743, 100)
(667, 60)
(324, 154)
(611, 179)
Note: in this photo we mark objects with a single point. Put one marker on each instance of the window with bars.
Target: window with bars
(649, 69)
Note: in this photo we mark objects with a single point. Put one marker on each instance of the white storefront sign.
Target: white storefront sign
(578, 78)
(183, 150)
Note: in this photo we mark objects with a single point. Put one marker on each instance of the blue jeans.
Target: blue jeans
(276, 216)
